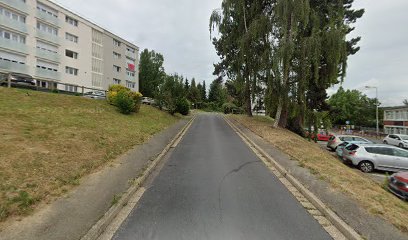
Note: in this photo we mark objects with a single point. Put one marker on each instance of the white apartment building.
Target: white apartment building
(54, 45)
(396, 120)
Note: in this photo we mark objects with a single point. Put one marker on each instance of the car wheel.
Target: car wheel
(366, 166)
(401, 145)
(385, 142)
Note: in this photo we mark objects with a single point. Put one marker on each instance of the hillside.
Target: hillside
(49, 141)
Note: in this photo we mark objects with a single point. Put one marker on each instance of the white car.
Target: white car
(397, 140)
(95, 95)
(335, 141)
(148, 101)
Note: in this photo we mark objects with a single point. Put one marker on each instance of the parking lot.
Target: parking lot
(378, 176)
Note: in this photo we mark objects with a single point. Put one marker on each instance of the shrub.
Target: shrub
(229, 108)
(137, 98)
(183, 106)
(124, 102)
(113, 91)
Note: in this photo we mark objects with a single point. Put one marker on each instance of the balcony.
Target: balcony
(19, 5)
(17, 25)
(130, 55)
(13, 67)
(47, 74)
(130, 78)
(13, 45)
(48, 55)
(48, 37)
(48, 18)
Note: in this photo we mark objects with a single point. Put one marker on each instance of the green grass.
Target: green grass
(50, 141)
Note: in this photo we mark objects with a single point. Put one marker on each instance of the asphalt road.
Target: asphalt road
(214, 187)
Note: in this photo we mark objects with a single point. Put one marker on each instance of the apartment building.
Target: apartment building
(54, 45)
(396, 120)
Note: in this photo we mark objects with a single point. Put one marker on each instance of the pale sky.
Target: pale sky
(179, 30)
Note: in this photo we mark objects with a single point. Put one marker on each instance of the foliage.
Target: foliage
(231, 108)
(170, 92)
(151, 73)
(218, 93)
(353, 106)
(295, 49)
(183, 106)
(126, 100)
(405, 102)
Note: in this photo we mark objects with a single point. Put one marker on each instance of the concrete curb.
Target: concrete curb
(110, 215)
(342, 226)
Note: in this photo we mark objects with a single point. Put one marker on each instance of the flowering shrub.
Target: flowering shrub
(126, 100)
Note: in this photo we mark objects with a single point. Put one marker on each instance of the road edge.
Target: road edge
(341, 225)
(99, 228)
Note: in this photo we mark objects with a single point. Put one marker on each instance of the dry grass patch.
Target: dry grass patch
(49, 141)
(367, 192)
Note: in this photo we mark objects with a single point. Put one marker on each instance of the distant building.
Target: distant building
(54, 45)
(396, 120)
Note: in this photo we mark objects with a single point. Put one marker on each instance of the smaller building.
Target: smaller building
(396, 120)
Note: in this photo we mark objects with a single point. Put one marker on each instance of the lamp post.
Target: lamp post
(377, 103)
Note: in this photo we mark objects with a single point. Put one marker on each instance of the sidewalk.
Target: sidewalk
(70, 217)
(371, 227)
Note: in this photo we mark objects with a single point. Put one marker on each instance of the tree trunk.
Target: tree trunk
(248, 97)
(278, 113)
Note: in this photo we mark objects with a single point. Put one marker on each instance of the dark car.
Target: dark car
(398, 184)
(17, 79)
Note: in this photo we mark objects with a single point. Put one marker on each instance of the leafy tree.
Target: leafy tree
(218, 94)
(353, 106)
(151, 73)
(405, 102)
(194, 95)
(171, 94)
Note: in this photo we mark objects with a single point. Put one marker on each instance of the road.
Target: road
(214, 187)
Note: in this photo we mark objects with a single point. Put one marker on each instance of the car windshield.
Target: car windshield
(404, 137)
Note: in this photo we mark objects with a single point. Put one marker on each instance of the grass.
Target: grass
(368, 193)
(50, 141)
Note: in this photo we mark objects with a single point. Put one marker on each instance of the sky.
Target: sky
(179, 30)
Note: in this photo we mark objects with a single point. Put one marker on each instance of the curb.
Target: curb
(110, 215)
(342, 226)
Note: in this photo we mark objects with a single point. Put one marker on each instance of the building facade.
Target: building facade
(396, 120)
(54, 45)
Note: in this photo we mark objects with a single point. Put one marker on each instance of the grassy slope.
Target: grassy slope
(367, 192)
(48, 141)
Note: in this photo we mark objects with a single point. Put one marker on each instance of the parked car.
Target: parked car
(335, 141)
(397, 140)
(17, 79)
(398, 184)
(148, 101)
(341, 146)
(95, 95)
(322, 135)
(368, 157)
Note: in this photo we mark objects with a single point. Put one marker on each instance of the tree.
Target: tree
(217, 94)
(171, 93)
(194, 95)
(353, 106)
(405, 102)
(151, 73)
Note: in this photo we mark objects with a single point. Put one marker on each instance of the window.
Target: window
(116, 81)
(130, 84)
(71, 54)
(116, 43)
(130, 74)
(47, 28)
(71, 38)
(116, 55)
(47, 47)
(116, 68)
(12, 36)
(70, 88)
(12, 57)
(12, 15)
(45, 9)
(71, 21)
(71, 71)
(47, 66)
(131, 50)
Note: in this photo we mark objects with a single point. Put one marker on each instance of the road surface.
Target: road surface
(214, 187)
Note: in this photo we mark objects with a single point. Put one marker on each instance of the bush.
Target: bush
(113, 91)
(229, 108)
(183, 106)
(124, 102)
(137, 98)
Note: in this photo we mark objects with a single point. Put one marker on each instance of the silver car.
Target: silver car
(335, 141)
(368, 157)
(397, 140)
